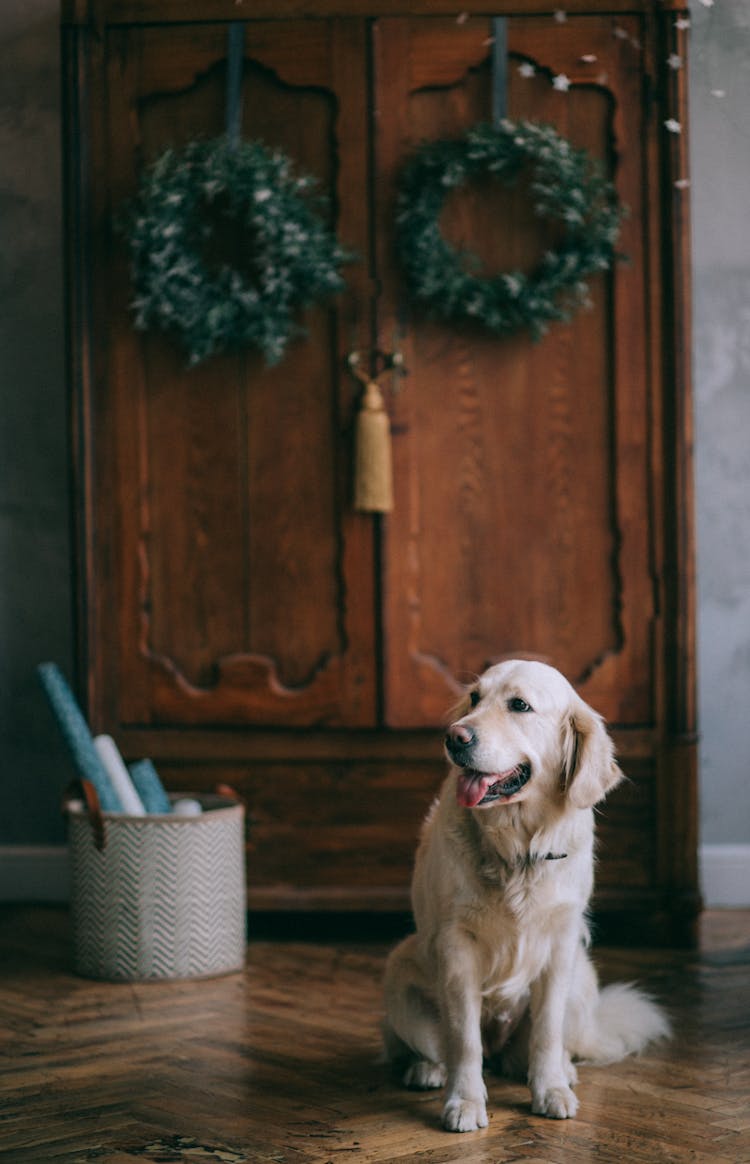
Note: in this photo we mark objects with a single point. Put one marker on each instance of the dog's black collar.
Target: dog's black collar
(521, 865)
(532, 859)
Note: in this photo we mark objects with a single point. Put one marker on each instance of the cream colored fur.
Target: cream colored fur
(498, 965)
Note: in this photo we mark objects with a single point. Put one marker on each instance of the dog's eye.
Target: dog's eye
(518, 704)
(474, 698)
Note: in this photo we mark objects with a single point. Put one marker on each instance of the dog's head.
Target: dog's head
(523, 733)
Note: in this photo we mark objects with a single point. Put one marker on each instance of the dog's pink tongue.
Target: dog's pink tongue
(472, 787)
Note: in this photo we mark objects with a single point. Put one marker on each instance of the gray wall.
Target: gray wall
(720, 146)
(35, 621)
(34, 538)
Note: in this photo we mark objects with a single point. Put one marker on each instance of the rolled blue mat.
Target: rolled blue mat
(77, 735)
(149, 787)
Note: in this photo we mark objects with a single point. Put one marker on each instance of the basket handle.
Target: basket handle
(84, 789)
(230, 793)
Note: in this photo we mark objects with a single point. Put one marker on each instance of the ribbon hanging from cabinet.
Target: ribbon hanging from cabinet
(499, 68)
(235, 62)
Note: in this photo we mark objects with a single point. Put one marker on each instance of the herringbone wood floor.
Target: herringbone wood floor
(280, 1064)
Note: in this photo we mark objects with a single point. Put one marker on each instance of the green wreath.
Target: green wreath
(212, 308)
(566, 186)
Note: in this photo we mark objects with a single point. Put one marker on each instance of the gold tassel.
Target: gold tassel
(373, 469)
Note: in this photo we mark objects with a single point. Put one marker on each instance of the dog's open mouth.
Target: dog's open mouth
(475, 789)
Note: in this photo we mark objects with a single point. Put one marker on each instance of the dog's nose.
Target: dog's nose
(459, 738)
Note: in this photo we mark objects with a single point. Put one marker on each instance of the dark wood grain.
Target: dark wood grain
(280, 1062)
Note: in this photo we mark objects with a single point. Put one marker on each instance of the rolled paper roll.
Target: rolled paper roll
(187, 807)
(149, 787)
(77, 736)
(109, 754)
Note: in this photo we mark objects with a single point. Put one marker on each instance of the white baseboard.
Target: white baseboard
(41, 873)
(34, 873)
(725, 876)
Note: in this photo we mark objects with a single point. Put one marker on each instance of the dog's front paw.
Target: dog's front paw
(464, 1115)
(423, 1075)
(557, 1103)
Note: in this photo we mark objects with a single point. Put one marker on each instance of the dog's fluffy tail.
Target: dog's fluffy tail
(622, 1023)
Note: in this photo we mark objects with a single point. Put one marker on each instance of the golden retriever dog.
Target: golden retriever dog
(498, 967)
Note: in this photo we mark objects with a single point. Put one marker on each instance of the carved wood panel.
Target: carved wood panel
(247, 582)
(522, 522)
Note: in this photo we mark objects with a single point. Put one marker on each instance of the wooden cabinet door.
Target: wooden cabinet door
(235, 585)
(523, 518)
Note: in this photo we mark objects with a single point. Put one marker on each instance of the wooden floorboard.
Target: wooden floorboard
(280, 1063)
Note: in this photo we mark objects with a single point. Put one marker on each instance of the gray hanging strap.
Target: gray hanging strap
(235, 61)
(499, 68)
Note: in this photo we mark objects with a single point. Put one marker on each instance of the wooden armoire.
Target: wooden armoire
(238, 621)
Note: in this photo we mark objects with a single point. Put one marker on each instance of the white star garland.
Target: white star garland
(561, 83)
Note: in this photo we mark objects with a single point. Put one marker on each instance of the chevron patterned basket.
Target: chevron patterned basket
(165, 896)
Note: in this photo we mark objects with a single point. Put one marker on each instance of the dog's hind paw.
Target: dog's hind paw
(464, 1115)
(557, 1103)
(422, 1075)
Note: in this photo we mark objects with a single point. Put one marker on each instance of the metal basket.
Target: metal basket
(158, 897)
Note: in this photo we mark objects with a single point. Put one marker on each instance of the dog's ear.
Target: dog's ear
(589, 767)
